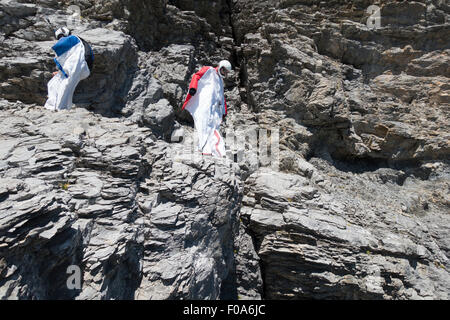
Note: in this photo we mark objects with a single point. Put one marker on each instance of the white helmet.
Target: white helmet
(224, 64)
(62, 32)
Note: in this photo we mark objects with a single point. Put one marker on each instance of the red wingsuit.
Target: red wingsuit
(194, 84)
(206, 103)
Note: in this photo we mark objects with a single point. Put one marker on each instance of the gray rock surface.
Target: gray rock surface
(100, 193)
(358, 208)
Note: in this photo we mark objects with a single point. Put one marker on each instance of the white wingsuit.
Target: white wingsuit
(207, 108)
(73, 68)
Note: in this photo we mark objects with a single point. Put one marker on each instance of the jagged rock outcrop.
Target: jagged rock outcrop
(317, 241)
(359, 219)
(355, 208)
(105, 195)
(362, 92)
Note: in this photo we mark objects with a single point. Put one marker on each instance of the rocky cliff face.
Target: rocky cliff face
(357, 208)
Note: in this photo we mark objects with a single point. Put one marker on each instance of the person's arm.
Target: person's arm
(54, 73)
(193, 85)
(224, 115)
(194, 82)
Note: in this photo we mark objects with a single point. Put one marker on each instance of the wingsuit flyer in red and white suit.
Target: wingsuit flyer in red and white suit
(206, 103)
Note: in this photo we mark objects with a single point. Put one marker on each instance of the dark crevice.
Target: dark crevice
(237, 58)
(239, 62)
(400, 170)
(256, 242)
(4, 196)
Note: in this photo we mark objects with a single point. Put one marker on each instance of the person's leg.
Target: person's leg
(53, 88)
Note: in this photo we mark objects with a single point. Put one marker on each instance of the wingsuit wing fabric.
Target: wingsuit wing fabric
(73, 68)
(194, 84)
(207, 108)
